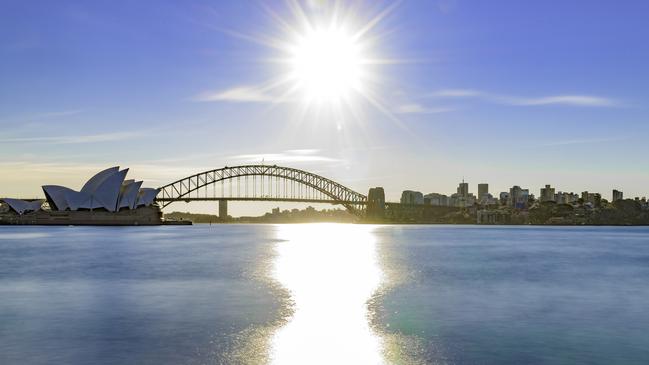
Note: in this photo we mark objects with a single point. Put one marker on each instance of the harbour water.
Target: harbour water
(324, 294)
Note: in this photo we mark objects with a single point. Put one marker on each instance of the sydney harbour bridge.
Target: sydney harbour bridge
(265, 183)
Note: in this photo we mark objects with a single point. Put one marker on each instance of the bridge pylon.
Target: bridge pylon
(223, 209)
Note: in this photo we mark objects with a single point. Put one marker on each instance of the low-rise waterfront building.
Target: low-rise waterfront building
(504, 198)
(617, 195)
(410, 197)
(566, 198)
(485, 216)
(461, 201)
(436, 199)
(487, 199)
(518, 197)
(594, 199)
(547, 194)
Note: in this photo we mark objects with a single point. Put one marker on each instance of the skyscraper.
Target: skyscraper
(617, 195)
(483, 189)
(518, 197)
(547, 194)
(463, 189)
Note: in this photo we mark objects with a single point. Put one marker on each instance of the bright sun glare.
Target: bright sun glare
(327, 57)
(326, 65)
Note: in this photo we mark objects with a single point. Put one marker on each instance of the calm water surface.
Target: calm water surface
(324, 294)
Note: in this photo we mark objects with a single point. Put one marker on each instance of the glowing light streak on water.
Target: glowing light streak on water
(331, 271)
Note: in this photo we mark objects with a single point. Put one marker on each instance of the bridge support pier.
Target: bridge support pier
(223, 209)
(375, 204)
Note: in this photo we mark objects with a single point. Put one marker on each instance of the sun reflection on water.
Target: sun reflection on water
(331, 270)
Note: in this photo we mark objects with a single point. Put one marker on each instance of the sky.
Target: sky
(503, 92)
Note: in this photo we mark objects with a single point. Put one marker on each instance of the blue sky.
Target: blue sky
(504, 92)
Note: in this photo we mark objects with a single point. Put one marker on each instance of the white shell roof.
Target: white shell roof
(107, 193)
(146, 196)
(129, 193)
(22, 206)
(108, 189)
(93, 183)
(77, 200)
(55, 195)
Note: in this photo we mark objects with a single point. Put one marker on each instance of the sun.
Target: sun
(326, 65)
(326, 59)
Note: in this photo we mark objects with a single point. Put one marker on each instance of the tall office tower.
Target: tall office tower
(463, 189)
(547, 194)
(483, 189)
(617, 195)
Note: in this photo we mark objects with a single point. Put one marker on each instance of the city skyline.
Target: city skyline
(483, 195)
(504, 93)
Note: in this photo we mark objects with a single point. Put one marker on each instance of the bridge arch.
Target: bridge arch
(310, 187)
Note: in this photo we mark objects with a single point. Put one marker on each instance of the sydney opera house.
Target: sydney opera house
(106, 198)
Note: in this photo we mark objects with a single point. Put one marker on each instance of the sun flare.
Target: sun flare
(326, 65)
(326, 59)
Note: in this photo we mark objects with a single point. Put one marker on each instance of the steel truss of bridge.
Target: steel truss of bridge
(261, 183)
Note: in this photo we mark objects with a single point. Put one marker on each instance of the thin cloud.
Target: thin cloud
(562, 99)
(572, 100)
(55, 114)
(455, 93)
(285, 156)
(93, 138)
(241, 94)
(43, 115)
(305, 151)
(414, 108)
(569, 142)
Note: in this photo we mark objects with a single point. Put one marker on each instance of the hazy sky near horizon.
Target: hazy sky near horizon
(504, 92)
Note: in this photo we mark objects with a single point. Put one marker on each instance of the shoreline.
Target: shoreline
(189, 223)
